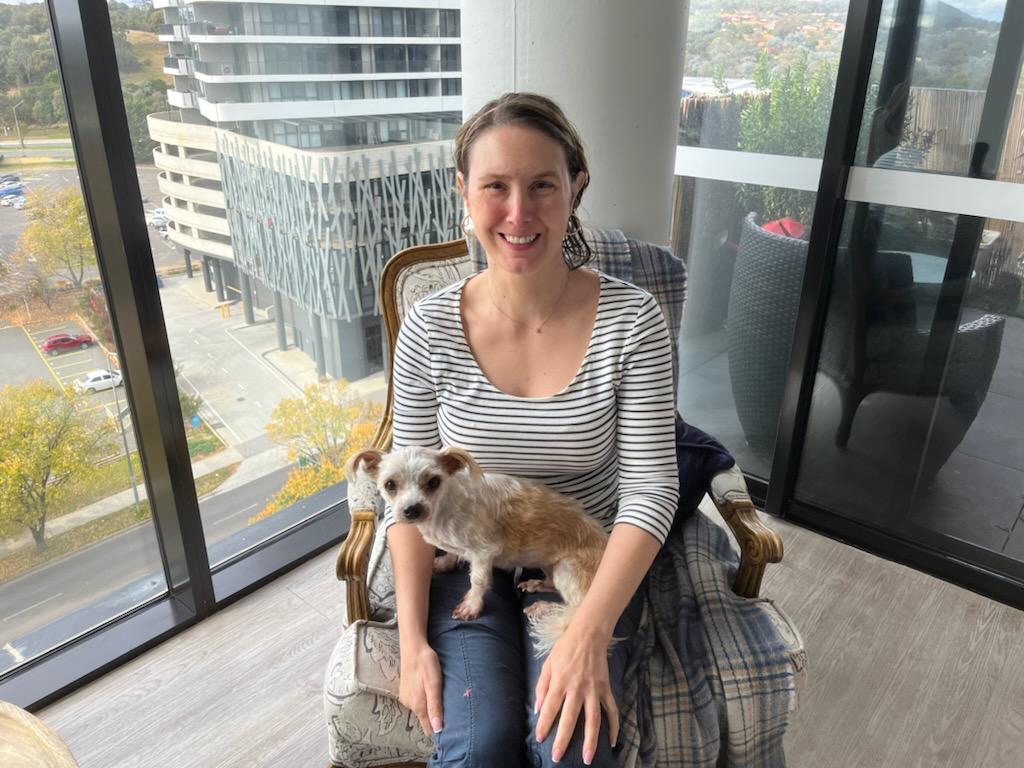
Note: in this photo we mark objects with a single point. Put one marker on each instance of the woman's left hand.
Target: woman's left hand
(574, 678)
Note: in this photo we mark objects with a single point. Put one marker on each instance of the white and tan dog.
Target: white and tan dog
(488, 520)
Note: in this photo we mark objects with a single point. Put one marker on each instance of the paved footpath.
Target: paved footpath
(112, 504)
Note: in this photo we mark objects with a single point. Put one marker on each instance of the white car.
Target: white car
(94, 381)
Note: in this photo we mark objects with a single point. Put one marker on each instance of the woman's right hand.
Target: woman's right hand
(419, 686)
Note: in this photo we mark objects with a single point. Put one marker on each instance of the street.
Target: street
(56, 589)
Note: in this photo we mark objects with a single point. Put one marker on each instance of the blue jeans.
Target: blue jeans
(490, 672)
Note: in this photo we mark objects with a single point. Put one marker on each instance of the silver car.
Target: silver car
(94, 381)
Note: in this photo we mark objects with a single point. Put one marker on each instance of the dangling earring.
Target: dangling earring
(575, 249)
(467, 226)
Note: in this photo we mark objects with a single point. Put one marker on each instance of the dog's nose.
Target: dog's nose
(414, 512)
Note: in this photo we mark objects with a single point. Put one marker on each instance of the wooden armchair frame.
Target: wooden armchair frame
(759, 545)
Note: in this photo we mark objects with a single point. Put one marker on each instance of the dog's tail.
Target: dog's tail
(548, 625)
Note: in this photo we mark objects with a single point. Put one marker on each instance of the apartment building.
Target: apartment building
(304, 145)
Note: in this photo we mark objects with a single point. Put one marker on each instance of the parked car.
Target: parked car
(63, 341)
(94, 381)
(8, 177)
(11, 189)
(14, 201)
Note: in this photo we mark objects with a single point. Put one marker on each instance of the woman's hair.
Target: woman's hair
(542, 114)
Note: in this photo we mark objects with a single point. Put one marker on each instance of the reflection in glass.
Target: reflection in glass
(915, 416)
(931, 69)
(77, 547)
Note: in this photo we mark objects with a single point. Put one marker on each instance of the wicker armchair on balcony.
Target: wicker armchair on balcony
(873, 341)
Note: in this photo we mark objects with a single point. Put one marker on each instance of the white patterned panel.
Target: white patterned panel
(424, 279)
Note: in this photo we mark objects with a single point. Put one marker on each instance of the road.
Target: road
(55, 590)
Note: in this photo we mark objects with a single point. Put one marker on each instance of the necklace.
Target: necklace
(547, 317)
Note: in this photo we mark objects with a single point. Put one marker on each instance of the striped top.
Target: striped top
(607, 439)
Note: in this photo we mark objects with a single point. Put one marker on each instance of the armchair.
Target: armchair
(366, 724)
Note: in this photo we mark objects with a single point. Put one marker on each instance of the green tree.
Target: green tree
(57, 241)
(46, 439)
(322, 425)
(141, 100)
(791, 120)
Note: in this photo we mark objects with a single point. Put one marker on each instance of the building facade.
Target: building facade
(305, 145)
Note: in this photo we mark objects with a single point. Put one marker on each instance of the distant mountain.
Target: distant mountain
(949, 16)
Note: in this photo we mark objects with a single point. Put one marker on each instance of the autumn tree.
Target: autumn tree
(322, 429)
(57, 240)
(319, 426)
(46, 440)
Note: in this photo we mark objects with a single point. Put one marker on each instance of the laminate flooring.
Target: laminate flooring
(904, 671)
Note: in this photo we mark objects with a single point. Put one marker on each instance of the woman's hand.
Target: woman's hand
(419, 685)
(574, 679)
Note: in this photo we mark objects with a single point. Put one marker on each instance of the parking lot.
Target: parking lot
(25, 360)
(40, 183)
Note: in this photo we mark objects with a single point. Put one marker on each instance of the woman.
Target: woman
(549, 371)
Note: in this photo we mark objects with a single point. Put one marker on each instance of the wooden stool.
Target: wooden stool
(25, 742)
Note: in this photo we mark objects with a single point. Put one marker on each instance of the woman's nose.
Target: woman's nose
(519, 206)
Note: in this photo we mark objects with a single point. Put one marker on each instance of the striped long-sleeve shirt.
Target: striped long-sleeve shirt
(607, 439)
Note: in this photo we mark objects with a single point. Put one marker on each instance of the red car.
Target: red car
(54, 344)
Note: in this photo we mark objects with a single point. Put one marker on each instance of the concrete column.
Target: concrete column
(282, 338)
(246, 288)
(615, 68)
(318, 344)
(188, 264)
(207, 276)
(218, 275)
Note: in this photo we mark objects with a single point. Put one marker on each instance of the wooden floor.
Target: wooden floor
(904, 671)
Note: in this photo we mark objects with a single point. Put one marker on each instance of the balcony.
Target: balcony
(170, 33)
(177, 65)
(204, 166)
(166, 128)
(181, 99)
(191, 192)
(216, 224)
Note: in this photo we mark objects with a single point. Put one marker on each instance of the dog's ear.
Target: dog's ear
(368, 460)
(454, 458)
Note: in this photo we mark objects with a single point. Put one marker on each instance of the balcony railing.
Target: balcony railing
(278, 68)
(327, 29)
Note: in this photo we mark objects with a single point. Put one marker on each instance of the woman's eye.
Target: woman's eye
(390, 486)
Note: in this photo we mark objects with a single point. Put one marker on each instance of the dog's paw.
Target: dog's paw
(468, 610)
(539, 608)
(446, 563)
(536, 585)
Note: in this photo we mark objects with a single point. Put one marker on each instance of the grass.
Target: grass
(46, 132)
(96, 530)
(108, 479)
(11, 163)
(150, 52)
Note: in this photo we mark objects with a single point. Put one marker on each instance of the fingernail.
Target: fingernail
(556, 755)
(435, 723)
(588, 757)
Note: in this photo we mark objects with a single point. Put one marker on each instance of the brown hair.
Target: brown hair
(542, 114)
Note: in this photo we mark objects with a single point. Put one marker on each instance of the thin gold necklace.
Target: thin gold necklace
(547, 317)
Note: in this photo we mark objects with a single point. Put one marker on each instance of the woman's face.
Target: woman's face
(519, 195)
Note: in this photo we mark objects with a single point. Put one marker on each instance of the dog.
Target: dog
(487, 520)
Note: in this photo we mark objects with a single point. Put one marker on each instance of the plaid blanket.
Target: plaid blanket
(714, 678)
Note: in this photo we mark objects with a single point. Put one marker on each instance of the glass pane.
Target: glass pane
(928, 81)
(916, 418)
(77, 547)
(760, 79)
(745, 270)
(269, 224)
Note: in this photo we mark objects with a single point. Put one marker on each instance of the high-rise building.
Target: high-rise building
(305, 145)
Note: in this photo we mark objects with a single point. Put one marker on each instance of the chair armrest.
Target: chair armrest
(353, 561)
(759, 544)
